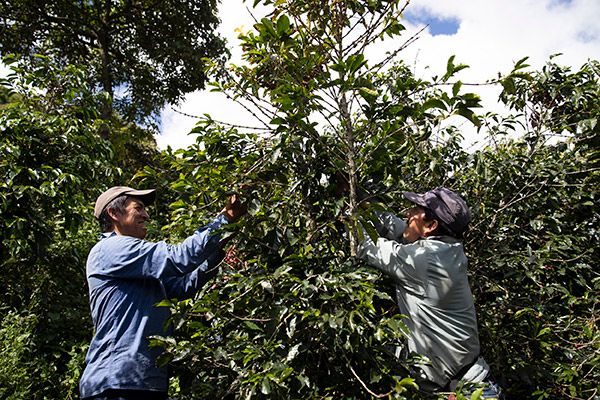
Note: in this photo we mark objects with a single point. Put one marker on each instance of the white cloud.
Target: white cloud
(177, 122)
(492, 36)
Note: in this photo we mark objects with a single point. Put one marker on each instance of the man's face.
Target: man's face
(133, 221)
(416, 226)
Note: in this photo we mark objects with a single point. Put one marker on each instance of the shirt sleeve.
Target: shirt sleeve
(389, 226)
(406, 264)
(131, 258)
(185, 287)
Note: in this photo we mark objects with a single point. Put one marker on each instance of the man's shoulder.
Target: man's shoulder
(448, 240)
(113, 244)
(440, 243)
(112, 237)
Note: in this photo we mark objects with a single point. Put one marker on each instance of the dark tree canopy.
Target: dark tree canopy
(150, 52)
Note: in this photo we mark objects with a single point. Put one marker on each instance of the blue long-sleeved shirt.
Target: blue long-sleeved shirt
(127, 277)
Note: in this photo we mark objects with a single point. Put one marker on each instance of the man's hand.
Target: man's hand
(342, 184)
(234, 209)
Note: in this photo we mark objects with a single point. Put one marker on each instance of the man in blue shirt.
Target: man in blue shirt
(127, 276)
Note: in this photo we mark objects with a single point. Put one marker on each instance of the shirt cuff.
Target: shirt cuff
(222, 219)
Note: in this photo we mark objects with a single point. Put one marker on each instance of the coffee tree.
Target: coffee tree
(534, 244)
(532, 241)
(293, 314)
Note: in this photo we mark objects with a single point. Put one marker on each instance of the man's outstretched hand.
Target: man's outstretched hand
(234, 209)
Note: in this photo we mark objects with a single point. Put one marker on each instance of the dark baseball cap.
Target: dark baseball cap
(446, 205)
(147, 196)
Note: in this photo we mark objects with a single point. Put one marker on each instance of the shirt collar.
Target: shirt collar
(105, 235)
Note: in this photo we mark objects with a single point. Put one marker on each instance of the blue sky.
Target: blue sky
(443, 26)
(437, 25)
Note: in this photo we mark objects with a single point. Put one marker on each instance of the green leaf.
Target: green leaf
(293, 352)
(292, 239)
(265, 386)
(165, 303)
(268, 24)
(252, 326)
(254, 206)
(369, 229)
(476, 395)
(509, 85)
(368, 92)
(339, 67)
(434, 103)
(521, 64)
(407, 382)
(355, 62)
(283, 24)
(456, 88)
(470, 115)
(163, 359)
(452, 69)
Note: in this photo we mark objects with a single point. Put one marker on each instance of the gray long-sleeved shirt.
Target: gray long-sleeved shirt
(127, 277)
(433, 291)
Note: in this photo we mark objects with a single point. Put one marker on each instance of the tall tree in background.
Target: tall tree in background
(148, 51)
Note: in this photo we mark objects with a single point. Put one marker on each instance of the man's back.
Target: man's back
(122, 302)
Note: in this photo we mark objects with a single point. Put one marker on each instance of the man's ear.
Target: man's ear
(113, 214)
(431, 226)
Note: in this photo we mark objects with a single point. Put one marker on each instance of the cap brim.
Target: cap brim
(418, 199)
(147, 196)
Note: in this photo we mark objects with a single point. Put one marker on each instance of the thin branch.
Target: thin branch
(204, 118)
(378, 396)
(250, 319)
(377, 67)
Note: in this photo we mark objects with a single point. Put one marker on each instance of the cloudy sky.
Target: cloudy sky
(488, 35)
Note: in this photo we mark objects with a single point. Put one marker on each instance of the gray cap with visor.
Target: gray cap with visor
(449, 207)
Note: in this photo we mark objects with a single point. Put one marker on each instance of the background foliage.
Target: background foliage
(293, 314)
(51, 165)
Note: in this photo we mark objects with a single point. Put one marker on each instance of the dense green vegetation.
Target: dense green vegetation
(293, 314)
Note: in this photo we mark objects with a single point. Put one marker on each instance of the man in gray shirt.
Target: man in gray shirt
(425, 258)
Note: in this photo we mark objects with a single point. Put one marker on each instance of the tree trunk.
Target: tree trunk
(106, 76)
(348, 133)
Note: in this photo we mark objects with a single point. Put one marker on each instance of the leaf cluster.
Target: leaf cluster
(293, 315)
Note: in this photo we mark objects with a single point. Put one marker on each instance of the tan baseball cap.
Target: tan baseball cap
(147, 196)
